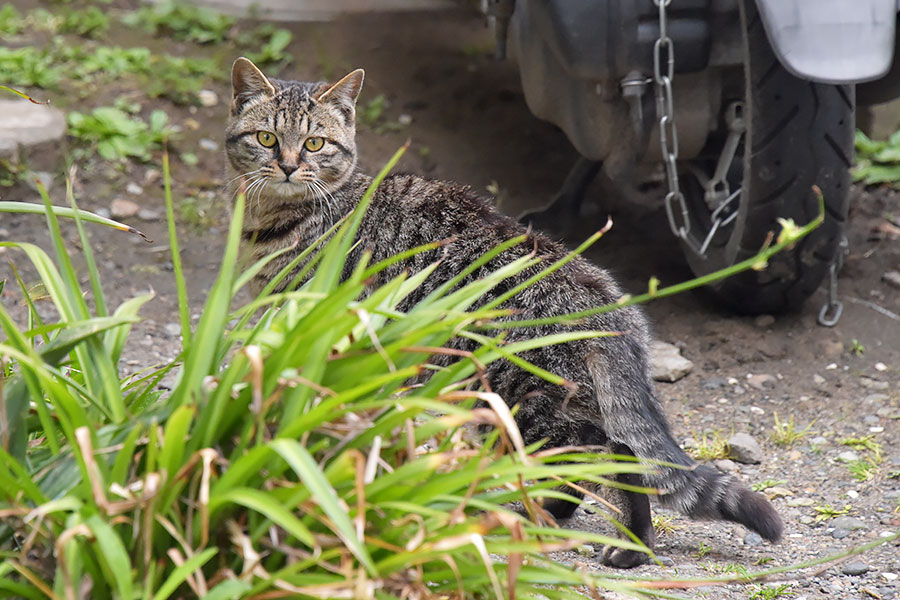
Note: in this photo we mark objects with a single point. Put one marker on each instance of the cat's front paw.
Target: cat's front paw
(621, 558)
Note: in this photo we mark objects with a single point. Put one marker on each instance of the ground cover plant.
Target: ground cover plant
(292, 456)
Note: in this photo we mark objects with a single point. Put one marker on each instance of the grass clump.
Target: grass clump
(877, 161)
(865, 443)
(116, 135)
(862, 469)
(665, 524)
(827, 512)
(29, 66)
(786, 434)
(181, 21)
(765, 484)
(770, 592)
(711, 446)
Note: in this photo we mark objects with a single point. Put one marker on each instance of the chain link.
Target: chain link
(663, 73)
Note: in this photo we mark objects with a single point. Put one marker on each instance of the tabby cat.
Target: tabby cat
(292, 144)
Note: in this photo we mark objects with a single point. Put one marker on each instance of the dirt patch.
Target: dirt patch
(468, 122)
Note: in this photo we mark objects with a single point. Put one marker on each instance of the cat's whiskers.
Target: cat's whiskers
(236, 177)
(247, 187)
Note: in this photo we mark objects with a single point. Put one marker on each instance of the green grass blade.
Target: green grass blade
(184, 310)
(179, 574)
(87, 251)
(267, 506)
(113, 552)
(308, 471)
(63, 211)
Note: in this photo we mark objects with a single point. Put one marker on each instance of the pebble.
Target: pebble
(665, 560)
(207, 98)
(818, 440)
(876, 398)
(151, 176)
(840, 534)
(752, 539)
(849, 523)
(44, 177)
(892, 278)
(744, 449)
(405, 119)
(764, 321)
(880, 366)
(890, 576)
(4, 233)
(852, 494)
(173, 329)
(713, 383)
(873, 384)
(856, 567)
(818, 379)
(807, 520)
(102, 212)
(145, 214)
(208, 145)
(739, 390)
(871, 419)
(757, 410)
(666, 362)
(134, 189)
(761, 381)
(123, 209)
(848, 456)
(585, 550)
(802, 501)
(726, 466)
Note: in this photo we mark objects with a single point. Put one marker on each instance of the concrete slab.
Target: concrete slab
(317, 10)
(32, 132)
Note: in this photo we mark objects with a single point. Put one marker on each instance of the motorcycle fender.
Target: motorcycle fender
(832, 41)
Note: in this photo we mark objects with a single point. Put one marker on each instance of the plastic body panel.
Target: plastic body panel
(832, 41)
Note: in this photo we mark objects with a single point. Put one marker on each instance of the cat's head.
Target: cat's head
(291, 139)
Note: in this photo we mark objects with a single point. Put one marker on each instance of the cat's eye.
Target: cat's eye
(266, 138)
(314, 144)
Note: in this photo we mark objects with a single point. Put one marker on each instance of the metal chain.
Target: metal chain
(668, 132)
(830, 313)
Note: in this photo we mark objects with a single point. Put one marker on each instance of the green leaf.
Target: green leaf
(179, 574)
(113, 553)
(266, 505)
(325, 496)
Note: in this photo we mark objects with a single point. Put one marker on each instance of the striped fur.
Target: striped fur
(614, 403)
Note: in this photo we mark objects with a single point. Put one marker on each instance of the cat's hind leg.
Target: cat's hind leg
(635, 516)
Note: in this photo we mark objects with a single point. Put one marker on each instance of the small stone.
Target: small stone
(892, 278)
(795, 455)
(134, 189)
(173, 329)
(151, 176)
(778, 492)
(889, 576)
(849, 523)
(665, 560)
(831, 366)
(880, 366)
(753, 539)
(208, 145)
(840, 534)
(713, 383)
(802, 501)
(585, 550)
(807, 520)
(876, 429)
(688, 443)
(757, 410)
(848, 456)
(45, 178)
(102, 212)
(739, 390)
(145, 214)
(887, 534)
(123, 209)
(873, 384)
(871, 419)
(818, 440)
(30, 127)
(4, 233)
(818, 379)
(852, 494)
(763, 321)
(831, 348)
(876, 398)
(405, 119)
(856, 567)
(744, 449)
(726, 466)
(207, 98)
(762, 381)
(666, 362)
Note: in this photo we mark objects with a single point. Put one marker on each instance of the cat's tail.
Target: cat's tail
(632, 417)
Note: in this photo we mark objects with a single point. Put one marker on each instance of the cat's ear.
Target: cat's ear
(247, 81)
(345, 90)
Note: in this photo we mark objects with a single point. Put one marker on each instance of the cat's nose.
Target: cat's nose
(288, 169)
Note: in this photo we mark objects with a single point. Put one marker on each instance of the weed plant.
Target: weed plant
(299, 451)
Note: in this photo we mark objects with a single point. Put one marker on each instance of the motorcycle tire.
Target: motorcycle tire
(798, 134)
